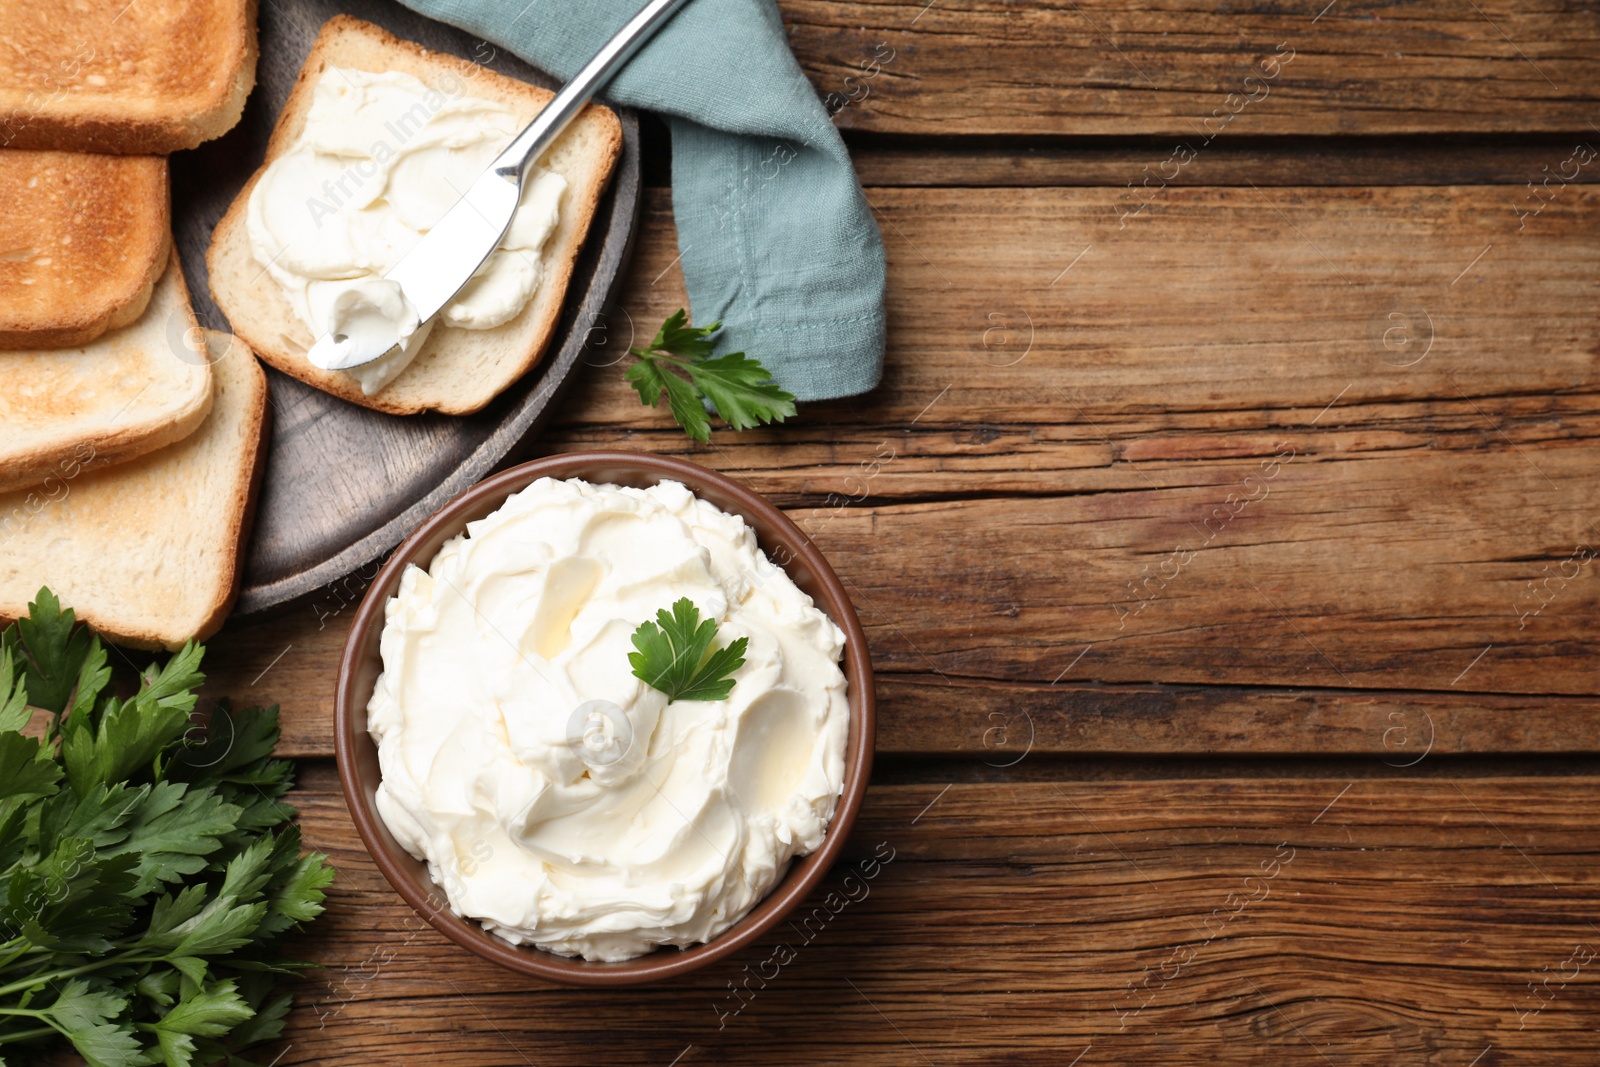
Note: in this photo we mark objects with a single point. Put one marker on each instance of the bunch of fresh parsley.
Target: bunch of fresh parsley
(148, 870)
(678, 362)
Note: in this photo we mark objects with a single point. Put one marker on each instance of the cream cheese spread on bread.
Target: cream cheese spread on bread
(556, 797)
(380, 160)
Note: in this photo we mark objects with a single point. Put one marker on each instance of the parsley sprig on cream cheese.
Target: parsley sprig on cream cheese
(678, 362)
(676, 655)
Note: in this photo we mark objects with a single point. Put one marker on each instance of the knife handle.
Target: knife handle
(513, 164)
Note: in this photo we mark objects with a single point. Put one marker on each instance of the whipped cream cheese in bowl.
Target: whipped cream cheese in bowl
(538, 802)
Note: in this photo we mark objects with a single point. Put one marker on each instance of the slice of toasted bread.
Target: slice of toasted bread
(128, 392)
(147, 551)
(456, 371)
(83, 239)
(148, 77)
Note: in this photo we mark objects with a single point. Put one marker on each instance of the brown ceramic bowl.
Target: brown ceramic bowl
(361, 665)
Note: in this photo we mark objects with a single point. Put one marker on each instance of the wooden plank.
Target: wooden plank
(1109, 68)
(1012, 162)
(289, 661)
(1476, 452)
(1173, 920)
(1003, 724)
(1395, 572)
(1225, 308)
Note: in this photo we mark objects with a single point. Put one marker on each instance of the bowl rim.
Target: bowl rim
(804, 873)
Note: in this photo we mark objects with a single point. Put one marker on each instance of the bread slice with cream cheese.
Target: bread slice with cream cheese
(148, 551)
(456, 370)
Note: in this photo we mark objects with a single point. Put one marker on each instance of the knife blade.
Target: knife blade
(434, 271)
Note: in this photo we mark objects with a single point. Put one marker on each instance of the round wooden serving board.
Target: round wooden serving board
(343, 485)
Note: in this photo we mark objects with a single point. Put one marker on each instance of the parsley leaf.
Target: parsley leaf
(14, 713)
(208, 1012)
(88, 1016)
(148, 871)
(24, 774)
(676, 655)
(62, 667)
(130, 733)
(738, 388)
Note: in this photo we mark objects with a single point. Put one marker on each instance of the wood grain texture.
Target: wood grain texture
(1176, 920)
(1061, 465)
(1109, 68)
(1038, 162)
(1232, 472)
(1210, 309)
(292, 661)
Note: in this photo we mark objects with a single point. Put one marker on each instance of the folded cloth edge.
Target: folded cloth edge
(775, 236)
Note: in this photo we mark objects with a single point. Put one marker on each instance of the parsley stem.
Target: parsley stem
(27, 1035)
(679, 360)
(129, 956)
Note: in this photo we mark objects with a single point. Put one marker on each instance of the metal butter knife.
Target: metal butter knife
(439, 265)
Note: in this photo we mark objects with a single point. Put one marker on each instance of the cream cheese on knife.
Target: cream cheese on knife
(557, 798)
(381, 158)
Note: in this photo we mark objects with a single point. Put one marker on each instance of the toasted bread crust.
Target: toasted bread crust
(245, 521)
(242, 508)
(83, 240)
(63, 443)
(283, 341)
(106, 76)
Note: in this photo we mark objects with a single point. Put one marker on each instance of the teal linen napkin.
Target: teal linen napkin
(777, 239)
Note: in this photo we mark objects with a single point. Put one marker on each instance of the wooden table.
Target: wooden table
(1224, 529)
